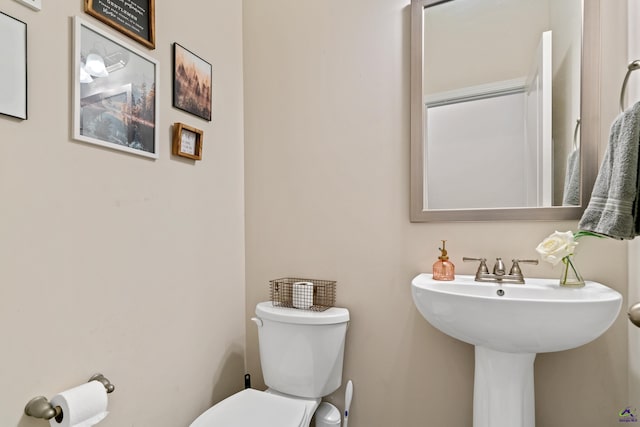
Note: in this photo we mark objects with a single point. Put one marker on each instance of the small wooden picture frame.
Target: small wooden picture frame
(187, 141)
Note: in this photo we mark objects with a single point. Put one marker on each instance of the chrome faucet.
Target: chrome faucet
(499, 273)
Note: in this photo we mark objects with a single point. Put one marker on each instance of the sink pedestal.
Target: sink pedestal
(508, 325)
(503, 389)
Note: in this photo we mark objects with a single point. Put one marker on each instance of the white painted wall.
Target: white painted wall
(115, 263)
(327, 196)
(469, 42)
(90, 273)
(482, 139)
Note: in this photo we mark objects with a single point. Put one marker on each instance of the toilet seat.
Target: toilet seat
(255, 408)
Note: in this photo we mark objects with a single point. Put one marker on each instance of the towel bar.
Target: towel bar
(40, 407)
(631, 67)
(576, 145)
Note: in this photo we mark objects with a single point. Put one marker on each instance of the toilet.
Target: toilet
(301, 354)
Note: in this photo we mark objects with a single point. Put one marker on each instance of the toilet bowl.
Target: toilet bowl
(301, 354)
(251, 407)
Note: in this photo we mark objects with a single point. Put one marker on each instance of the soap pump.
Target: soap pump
(443, 269)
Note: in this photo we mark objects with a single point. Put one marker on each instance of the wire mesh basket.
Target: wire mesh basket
(304, 294)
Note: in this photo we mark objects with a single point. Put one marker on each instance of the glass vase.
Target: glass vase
(570, 275)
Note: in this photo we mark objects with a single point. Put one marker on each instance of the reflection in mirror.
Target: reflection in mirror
(496, 107)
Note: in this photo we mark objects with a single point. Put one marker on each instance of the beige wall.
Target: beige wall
(566, 23)
(100, 272)
(470, 43)
(327, 196)
(115, 263)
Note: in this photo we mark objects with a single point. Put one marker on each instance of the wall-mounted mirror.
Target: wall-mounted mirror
(504, 109)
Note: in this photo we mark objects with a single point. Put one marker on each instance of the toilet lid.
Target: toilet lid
(252, 408)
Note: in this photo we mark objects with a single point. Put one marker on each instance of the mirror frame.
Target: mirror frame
(589, 128)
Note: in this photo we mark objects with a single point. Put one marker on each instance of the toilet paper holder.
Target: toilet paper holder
(40, 407)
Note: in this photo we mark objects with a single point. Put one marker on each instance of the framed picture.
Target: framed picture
(191, 83)
(135, 18)
(115, 93)
(13, 69)
(187, 141)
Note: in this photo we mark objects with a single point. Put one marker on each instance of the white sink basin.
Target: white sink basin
(539, 316)
(508, 324)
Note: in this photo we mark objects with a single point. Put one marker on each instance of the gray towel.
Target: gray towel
(613, 208)
(571, 193)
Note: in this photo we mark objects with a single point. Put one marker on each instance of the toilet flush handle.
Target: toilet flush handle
(257, 321)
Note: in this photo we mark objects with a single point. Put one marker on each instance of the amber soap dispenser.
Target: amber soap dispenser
(443, 269)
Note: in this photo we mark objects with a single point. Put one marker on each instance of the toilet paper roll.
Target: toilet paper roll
(303, 295)
(82, 406)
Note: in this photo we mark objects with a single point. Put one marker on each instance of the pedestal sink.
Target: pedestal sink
(508, 325)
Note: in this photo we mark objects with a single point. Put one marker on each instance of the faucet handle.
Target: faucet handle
(482, 268)
(515, 268)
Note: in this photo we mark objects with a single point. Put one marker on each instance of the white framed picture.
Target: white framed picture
(13, 69)
(115, 93)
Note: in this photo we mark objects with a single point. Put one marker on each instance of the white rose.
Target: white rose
(557, 246)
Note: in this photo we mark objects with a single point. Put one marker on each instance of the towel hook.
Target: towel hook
(575, 134)
(634, 65)
(40, 407)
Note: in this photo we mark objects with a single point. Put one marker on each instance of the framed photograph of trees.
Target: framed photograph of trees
(191, 83)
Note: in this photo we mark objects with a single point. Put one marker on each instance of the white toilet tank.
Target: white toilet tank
(301, 351)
